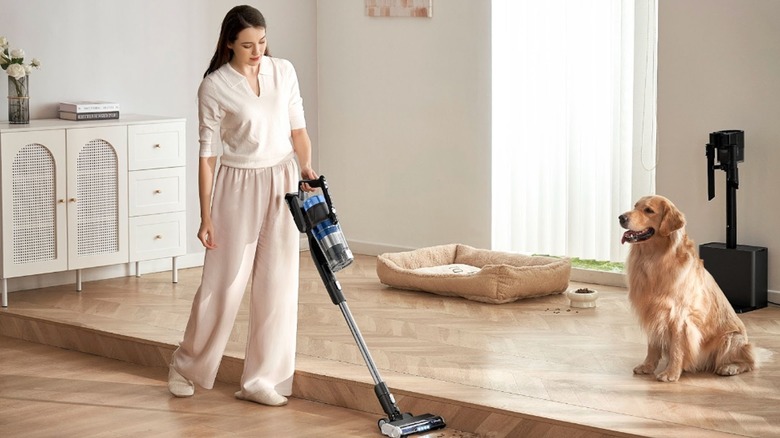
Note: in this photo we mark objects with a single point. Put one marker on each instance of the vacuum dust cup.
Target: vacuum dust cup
(328, 235)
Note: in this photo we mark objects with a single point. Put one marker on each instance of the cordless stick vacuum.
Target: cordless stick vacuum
(316, 217)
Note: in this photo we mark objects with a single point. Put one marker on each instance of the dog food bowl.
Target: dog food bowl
(582, 298)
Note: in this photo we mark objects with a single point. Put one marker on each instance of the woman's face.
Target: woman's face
(249, 46)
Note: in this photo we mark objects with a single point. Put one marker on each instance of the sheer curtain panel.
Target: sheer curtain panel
(573, 123)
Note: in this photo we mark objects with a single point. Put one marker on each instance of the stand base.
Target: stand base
(740, 272)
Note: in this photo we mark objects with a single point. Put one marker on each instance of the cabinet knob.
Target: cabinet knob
(60, 201)
(157, 192)
(72, 200)
(158, 237)
(157, 146)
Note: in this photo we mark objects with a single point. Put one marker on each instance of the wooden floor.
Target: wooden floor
(533, 368)
(51, 392)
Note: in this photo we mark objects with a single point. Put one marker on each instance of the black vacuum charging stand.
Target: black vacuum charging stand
(740, 270)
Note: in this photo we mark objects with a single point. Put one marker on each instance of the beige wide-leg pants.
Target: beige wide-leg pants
(256, 238)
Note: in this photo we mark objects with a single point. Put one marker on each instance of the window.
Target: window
(573, 123)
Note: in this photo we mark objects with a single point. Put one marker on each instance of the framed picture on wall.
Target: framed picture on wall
(399, 8)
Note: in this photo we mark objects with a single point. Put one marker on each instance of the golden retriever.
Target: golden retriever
(685, 315)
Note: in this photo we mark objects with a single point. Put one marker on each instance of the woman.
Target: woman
(253, 103)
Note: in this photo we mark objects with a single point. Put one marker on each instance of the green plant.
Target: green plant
(595, 265)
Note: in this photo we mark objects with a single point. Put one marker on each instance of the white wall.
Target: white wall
(405, 119)
(400, 108)
(149, 56)
(405, 123)
(718, 68)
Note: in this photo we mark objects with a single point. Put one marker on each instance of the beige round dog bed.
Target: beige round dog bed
(476, 274)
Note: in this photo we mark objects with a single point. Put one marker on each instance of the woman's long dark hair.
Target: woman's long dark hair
(236, 20)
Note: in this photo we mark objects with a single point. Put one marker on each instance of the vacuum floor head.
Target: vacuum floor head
(410, 425)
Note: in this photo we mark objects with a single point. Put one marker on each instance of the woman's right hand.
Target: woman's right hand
(206, 167)
(206, 235)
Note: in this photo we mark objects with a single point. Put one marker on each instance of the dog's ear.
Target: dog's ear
(672, 220)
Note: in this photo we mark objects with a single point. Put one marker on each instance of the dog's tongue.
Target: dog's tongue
(631, 236)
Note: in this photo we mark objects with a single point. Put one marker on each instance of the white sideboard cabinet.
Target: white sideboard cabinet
(84, 194)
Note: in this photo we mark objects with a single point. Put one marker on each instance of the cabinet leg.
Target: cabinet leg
(174, 270)
(138, 269)
(78, 280)
(5, 292)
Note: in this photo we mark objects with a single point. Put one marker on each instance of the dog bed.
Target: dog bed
(475, 274)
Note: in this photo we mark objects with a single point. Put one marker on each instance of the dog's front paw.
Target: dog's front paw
(644, 368)
(728, 370)
(668, 376)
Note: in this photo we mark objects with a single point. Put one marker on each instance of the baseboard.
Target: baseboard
(619, 280)
(193, 260)
(103, 272)
(374, 249)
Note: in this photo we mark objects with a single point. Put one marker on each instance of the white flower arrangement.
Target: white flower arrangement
(12, 61)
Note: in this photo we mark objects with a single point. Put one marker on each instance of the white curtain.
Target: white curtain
(573, 123)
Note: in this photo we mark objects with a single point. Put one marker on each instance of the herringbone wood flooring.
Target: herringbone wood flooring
(535, 367)
(51, 392)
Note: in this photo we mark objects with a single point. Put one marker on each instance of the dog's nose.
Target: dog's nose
(623, 219)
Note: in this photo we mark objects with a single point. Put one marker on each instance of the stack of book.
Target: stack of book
(89, 110)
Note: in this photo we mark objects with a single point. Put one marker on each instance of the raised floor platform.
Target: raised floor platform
(535, 367)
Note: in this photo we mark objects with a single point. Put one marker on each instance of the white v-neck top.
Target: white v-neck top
(255, 130)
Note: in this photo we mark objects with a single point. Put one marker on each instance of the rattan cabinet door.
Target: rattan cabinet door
(97, 196)
(34, 238)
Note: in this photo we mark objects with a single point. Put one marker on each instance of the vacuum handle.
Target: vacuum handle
(320, 183)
